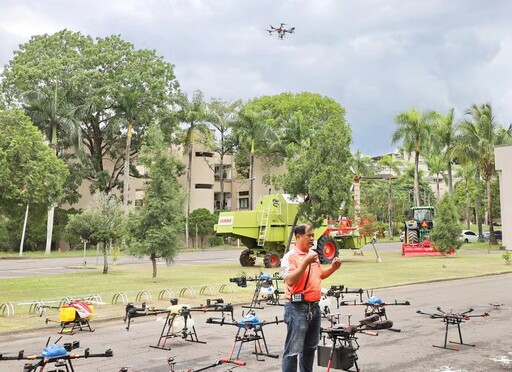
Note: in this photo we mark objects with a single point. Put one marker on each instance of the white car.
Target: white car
(468, 236)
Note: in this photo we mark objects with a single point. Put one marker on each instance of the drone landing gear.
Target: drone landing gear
(450, 321)
(255, 335)
(169, 330)
(80, 324)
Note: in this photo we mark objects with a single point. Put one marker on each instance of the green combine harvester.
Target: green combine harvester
(264, 231)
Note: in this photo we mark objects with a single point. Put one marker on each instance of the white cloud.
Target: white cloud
(376, 58)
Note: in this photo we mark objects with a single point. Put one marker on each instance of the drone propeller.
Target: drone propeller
(291, 30)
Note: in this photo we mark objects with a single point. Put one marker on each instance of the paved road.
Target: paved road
(408, 350)
(16, 267)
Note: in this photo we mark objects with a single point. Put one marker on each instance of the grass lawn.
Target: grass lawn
(356, 272)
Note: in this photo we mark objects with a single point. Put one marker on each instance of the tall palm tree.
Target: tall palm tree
(479, 133)
(251, 131)
(192, 115)
(467, 174)
(54, 114)
(414, 129)
(436, 166)
(391, 165)
(444, 140)
(223, 119)
(127, 111)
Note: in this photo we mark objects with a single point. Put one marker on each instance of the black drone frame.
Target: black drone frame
(274, 299)
(339, 291)
(59, 361)
(451, 318)
(188, 334)
(248, 332)
(171, 362)
(342, 354)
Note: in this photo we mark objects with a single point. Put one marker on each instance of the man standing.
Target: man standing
(303, 276)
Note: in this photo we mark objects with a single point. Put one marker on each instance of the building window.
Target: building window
(243, 203)
(203, 186)
(243, 193)
(227, 172)
(204, 154)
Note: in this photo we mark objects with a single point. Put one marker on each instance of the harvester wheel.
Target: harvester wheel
(413, 236)
(271, 260)
(246, 258)
(327, 247)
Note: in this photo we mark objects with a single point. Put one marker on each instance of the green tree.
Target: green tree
(444, 137)
(446, 225)
(414, 129)
(29, 170)
(387, 163)
(479, 133)
(223, 117)
(102, 223)
(436, 166)
(95, 74)
(53, 114)
(192, 114)
(252, 136)
(202, 222)
(467, 175)
(156, 229)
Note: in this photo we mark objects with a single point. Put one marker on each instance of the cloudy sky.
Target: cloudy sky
(376, 58)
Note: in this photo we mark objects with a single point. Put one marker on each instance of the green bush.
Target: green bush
(446, 225)
(215, 240)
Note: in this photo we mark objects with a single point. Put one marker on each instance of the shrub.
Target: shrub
(446, 225)
(215, 240)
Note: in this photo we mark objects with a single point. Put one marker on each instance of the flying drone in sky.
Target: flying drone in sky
(281, 31)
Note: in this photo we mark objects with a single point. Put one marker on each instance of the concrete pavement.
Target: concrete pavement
(408, 350)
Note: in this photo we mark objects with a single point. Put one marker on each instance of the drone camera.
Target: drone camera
(240, 281)
(174, 301)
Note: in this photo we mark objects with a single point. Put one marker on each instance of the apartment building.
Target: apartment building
(206, 189)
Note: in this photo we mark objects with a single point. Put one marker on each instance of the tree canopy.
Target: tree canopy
(111, 83)
(29, 170)
(312, 140)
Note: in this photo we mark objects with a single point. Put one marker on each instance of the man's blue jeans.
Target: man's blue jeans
(303, 321)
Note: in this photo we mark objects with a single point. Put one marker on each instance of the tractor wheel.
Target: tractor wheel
(246, 258)
(413, 236)
(327, 247)
(271, 260)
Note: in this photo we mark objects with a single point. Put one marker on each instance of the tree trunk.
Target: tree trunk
(105, 258)
(251, 176)
(468, 217)
(478, 204)
(390, 210)
(290, 236)
(488, 192)
(416, 179)
(127, 169)
(49, 231)
(189, 191)
(450, 177)
(153, 263)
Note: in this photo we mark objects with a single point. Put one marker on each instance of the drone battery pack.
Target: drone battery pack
(342, 358)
